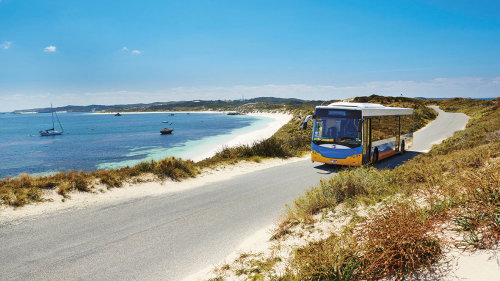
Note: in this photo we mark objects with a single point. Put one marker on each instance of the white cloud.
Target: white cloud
(136, 52)
(15, 97)
(50, 49)
(436, 88)
(124, 49)
(6, 44)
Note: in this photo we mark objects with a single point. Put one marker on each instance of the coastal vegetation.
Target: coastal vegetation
(289, 141)
(365, 223)
(86, 108)
(262, 103)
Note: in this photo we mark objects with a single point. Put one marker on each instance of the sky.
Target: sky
(118, 52)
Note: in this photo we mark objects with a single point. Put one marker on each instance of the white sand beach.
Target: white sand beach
(252, 136)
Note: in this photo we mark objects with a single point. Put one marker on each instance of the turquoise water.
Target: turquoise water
(99, 141)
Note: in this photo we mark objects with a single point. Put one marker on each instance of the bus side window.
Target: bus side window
(406, 124)
(376, 129)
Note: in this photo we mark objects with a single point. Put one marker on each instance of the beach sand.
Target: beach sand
(252, 136)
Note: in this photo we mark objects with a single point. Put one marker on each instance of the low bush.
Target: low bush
(398, 241)
(22, 190)
(110, 178)
(175, 168)
(267, 148)
(335, 258)
(478, 218)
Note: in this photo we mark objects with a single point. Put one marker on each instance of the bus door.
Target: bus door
(398, 133)
(367, 140)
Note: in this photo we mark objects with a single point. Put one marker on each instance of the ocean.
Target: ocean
(100, 141)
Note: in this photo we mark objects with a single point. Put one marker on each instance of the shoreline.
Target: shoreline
(55, 203)
(250, 137)
(262, 126)
(247, 138)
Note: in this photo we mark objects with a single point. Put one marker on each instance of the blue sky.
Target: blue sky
(108, 52)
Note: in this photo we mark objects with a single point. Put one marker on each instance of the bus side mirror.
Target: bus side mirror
(304, 125)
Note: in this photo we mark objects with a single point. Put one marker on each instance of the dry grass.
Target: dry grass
(398, 242)
(352, 185)
(336, 258)
(478, 217)
(26, 189)
(393, 244)
(273, 147)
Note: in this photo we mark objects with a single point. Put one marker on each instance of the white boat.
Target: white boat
(52, 132)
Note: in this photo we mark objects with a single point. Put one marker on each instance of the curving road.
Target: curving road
(171, 236)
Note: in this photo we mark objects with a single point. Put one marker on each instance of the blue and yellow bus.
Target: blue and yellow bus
(354, 134)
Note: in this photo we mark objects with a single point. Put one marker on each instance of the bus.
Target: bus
(355, 134)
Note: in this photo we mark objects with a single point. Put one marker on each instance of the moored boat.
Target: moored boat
(50, 132)
(166, 131)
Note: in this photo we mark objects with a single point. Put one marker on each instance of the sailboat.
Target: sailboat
(52, 132)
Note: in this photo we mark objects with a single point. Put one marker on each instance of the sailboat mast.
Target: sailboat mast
(62, 130)
(51, 109)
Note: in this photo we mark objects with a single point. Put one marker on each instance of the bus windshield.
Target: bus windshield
(336, 130)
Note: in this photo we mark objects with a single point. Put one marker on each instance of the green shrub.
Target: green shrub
(174, 168)
(479, 216)
(334, 258)
(364, 183)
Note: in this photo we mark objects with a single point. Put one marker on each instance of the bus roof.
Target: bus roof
(369, 109)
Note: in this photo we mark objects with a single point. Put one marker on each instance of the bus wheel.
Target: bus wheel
(375, 157)
(402, 148)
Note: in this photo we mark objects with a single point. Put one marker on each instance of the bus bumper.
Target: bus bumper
(354, 160)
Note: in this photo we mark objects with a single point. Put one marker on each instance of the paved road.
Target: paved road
(170, 236)
(440, 129)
